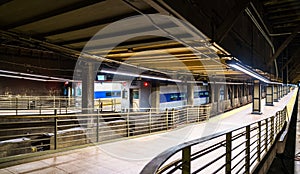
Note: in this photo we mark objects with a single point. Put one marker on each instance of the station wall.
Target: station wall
(9, 86)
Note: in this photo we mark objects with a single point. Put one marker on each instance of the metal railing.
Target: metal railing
(233, 151)
(28, 105)
(34, 133)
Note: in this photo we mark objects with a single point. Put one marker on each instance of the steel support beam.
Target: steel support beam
(284, 45)
(90, 24)
(68, 8)
(294, 57)
(230, 20)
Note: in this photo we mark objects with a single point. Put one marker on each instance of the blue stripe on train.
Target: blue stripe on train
(171, 97)
(107, 94)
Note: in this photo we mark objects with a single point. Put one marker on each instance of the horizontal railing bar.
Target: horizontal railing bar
(206, 151)
(237, 163)
(208, 164)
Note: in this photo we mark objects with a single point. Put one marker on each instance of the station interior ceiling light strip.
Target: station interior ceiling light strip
(238, 66)
(27, 76)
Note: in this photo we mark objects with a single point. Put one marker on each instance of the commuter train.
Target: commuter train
(172, 97)
(121, 96)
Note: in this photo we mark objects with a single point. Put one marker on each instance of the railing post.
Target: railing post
(272, 130)
(40, 106)
(280, 122)
(198, 113)
(173, 117)
(276, 123)
(128, 124)
(16, 105)
(266, 138)
(187, 115)
(59, 104)
(150, 120)
(54, 101)
(259, 142)
(55, 129)
(247, 158)
(67, 103)
(97, 128)
(228, 153)
(167, 118)
(186, 160)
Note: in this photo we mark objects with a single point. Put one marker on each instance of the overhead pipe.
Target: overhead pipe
(265, 35)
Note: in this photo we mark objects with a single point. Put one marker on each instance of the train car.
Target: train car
(107, 95)
(172, 97)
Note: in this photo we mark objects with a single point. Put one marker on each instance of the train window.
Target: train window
(108, 94)
(135, 94)
(181, 97)
(174, 97)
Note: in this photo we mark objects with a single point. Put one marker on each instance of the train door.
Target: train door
(134, 99)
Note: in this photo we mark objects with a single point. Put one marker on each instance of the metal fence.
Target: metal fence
(20, 134)
(233, 151)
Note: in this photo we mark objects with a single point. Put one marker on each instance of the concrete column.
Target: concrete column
(212, 93)
(280, 92)
(269, 95)
(155, 97)
(225, 92)
(256, 99)
(190, 94)
(88, 79)
(275, 93)
(232, 96)
(284, 90)
(218, 88)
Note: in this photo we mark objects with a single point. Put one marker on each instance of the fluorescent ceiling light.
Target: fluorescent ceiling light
(248, 71)
(36, 77)
(141, 76)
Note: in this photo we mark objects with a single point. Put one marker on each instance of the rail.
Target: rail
(234, 151)
(28, 105)
(23, 134)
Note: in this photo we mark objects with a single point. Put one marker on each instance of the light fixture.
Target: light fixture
(35, 77)
(238, 66)
(139, 76)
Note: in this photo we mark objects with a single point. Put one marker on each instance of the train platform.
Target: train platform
(131, 155)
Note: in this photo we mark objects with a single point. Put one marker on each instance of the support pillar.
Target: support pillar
(155, 97)
(225, 92)
(256, 99)
(284, 90)
(219, 106)
(280, 91)
(269, 95)
(275, 93)
(190, 94)
(212, 93)
(88, 88)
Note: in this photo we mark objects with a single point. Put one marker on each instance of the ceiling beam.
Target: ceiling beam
(294, 56)
(4, 2)
(230, 20)
(62, 10)
(293, 71)
(100, 22)
(284, 45)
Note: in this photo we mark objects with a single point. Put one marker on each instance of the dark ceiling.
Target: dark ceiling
(46, 37)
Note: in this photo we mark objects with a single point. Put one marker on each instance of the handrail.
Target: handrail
(156, 163)
(55, 131)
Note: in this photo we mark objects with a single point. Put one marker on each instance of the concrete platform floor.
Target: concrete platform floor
(131, 155)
